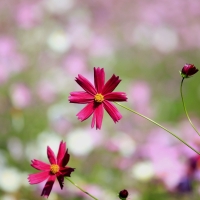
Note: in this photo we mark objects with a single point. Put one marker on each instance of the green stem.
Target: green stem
(81, 188)
(133, 111)
(181, 90)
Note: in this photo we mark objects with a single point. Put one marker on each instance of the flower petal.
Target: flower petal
(86, 112)
(111, 84)
(48, 186)
(51, 155)
(80, 97)
(66, 171)
(65, 159)
(112, 111)
(97, 117)
(115, 96)
(61, 181)
(38, 177)
(37, 164)
(99, 79)
(61, 152)
(63, 156)
(85, 84)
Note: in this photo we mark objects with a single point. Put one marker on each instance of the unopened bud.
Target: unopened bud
(188, 70)
(123, 194)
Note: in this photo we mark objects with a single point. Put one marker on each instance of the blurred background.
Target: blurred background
(45, 44)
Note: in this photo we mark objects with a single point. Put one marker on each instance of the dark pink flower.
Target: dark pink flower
(56, 169)
(188, 70)
(98, 97)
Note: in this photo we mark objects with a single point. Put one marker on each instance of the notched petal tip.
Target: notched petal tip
(111, 84)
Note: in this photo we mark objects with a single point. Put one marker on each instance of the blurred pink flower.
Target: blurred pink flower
(165, 156)
(57, 169)
(140, 93)
(46, 91)
(74, 63)
(98, 98)
(28, 15)
(20, 95)
(11, 61)
(101, 46)
(60, 125)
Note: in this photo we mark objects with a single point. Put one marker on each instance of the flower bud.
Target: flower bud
(188, 70)
(123, 194)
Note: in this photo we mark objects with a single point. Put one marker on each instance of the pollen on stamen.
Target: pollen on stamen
(99, 98)
(54, 168)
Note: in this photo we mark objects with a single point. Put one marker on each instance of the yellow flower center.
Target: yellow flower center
(54, 168)
(99, 98)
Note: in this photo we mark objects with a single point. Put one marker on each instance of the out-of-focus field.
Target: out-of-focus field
(45, 44)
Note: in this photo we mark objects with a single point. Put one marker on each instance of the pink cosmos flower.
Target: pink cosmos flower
(98, 97)
(57, 169)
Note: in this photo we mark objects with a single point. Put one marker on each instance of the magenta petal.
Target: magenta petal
(61, 152)
(81, 97)
(37, 164)
(98, 116)
(86, 112)
(111, 84)
(51, 155)
(112, 111)
(66, 171)
(93, 120)
(115, 96)
(61, 181)
(38, 177)
(65, 159)
(99, 79)
(48, 186)
(86, 85)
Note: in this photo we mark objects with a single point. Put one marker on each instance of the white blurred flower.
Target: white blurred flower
(165, 39)
(20, 95)
(39, 150)
(10, 179)
(48, 139)
(142, 35)
(59, 41)
(125, 144)
(143, 171)
(80, 142)
(162, 38)
(15, 147)
(58, 7)
(8, 197)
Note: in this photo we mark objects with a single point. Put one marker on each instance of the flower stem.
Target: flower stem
(81, 188)
(181, 90)
(133, 111)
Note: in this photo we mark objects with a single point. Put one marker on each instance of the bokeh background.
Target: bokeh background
(45, 44)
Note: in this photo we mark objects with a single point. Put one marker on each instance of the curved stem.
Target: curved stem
(133, 111)
(81, 188)
(181, 90)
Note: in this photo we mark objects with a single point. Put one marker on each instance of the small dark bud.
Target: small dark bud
(123, 194)
(188, 70)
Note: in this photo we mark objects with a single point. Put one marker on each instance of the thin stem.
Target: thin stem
(81, 188)
(133, 111)
(181, 90)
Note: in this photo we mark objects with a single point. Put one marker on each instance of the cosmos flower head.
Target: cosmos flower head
(56, 169)
(188, 70)
(98, 97)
